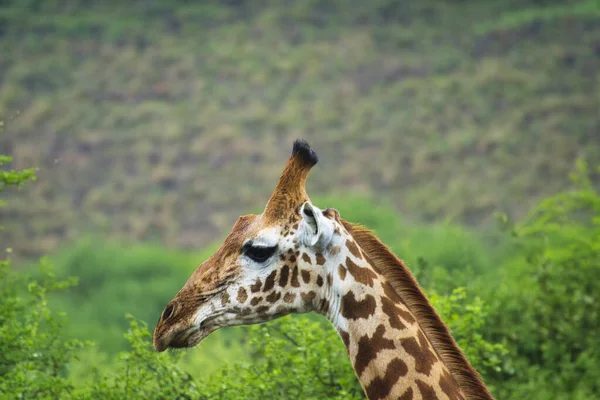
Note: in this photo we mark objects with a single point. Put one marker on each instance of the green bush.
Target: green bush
(35, 353)
(544, 305)
(13, 177)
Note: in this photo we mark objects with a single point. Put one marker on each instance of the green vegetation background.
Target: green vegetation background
(154, 125)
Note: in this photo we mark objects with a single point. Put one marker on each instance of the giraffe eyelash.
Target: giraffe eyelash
(259, 254)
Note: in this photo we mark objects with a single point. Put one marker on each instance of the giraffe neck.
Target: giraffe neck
(389, 351)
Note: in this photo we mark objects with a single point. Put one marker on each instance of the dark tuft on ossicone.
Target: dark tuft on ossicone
(303, 150)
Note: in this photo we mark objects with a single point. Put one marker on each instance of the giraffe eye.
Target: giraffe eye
(260, 254)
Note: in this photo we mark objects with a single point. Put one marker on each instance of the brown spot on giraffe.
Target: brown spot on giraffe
(353, 249)
(255, 287)
(283, 275)
(320, 259)
(293, 258)
(323, 306)
(408, 395)
(391, 310)
(307, 298)
(334, 251)
(242, 295)
(362, 275)
(427, 347)
(270, 281)
(395, 298)
(352, 309)
(342, 272)
(390, 293)
(448, 386)
(331, 213)
(424, 357)
(262, 309)
(306, 258)
(224, 298)
(273, 297)
(426, 390)
(380, 387)
(242, 311)
(255, 300)
(289, 297)
(329, 280)
(295, 282)
(368, 347)
(345, 337)
(406, 315)
(281, 310)
(319, 281)
(305, 276)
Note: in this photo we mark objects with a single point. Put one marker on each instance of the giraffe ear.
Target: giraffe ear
(315, 230)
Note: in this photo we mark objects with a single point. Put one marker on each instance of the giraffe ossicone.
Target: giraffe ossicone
(298, 258)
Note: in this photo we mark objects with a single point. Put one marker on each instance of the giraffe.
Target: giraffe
(297, 258)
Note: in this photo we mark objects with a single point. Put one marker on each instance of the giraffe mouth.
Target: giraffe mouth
(193, 335)
(182, 339)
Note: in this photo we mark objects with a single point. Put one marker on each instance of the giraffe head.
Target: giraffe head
(269, 265)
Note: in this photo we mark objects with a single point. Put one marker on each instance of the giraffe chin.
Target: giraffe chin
(185, 338)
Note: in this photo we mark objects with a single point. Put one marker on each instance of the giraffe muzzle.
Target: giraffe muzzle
(185, 336)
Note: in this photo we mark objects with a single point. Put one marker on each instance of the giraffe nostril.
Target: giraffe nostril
(168, 312)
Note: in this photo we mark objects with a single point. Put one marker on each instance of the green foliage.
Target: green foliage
(293, 358)
(34, 353)
(142, 373)
(13, 177)
(468, 318)
(545, 304)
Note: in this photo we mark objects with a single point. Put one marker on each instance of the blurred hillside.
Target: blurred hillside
(166, 120)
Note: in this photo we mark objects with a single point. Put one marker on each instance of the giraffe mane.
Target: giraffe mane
(405, 285)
